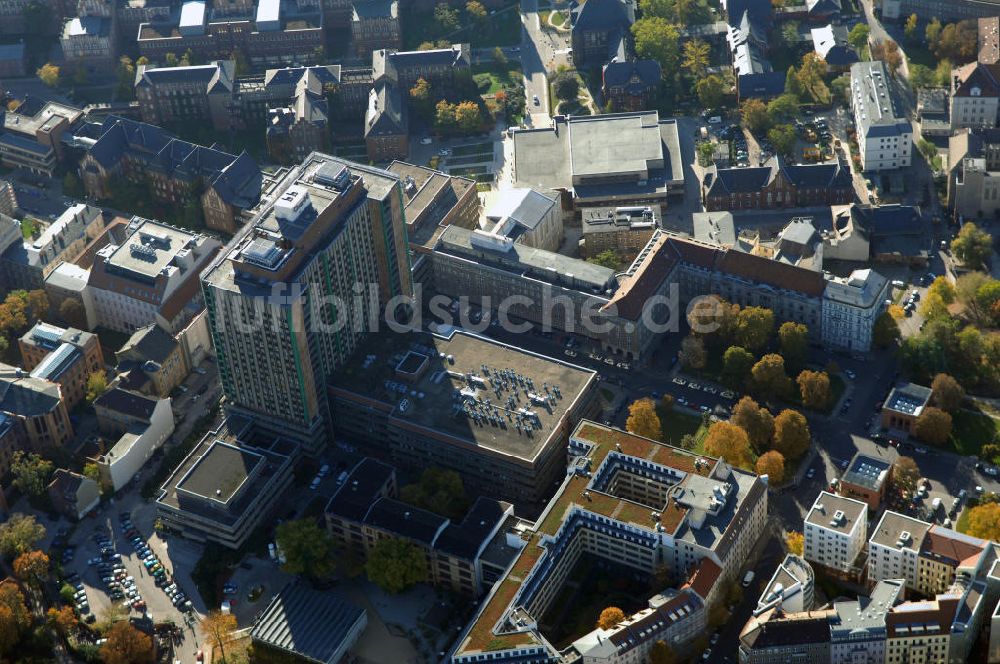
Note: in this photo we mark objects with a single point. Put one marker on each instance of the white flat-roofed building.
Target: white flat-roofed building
(527, 216)
(835, 531)
(142, 423)
(790, 588)
(885, 135)
(894, 548)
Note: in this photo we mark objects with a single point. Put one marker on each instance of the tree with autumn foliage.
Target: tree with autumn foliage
(610, 617)
(814, 388)
(32, 567)
(947, 393)
(661, 653)
(791, 434)
(769, 377)
(795, 542)
(218, 629)
(756, 420)
(730, 443)
(14, 617)
(905, 473)
(643, 420)
(63, 620)
(984, 521)
(933, 426)
(126, 645)
(771, 464)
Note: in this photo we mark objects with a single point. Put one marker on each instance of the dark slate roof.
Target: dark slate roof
(647, 73)
(600, 15)
(307, 622)
(24, 143)
(725, 181)
(240, 182)
(890, 220)
(466, 538)
(361, 488)
(763, 85)
(290, 76)
(775, 632)
(27, 396)
(760, 10)
(386, 111)
(151, 343)
(373, 9)
(12, 51)
(823, 6)
(132, 404)
(405, 520)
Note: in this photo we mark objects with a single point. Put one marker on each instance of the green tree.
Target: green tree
(693, 352)
(756, 420)
(396, 564)
(932, 33)
(790, 34)
(447, 17)
(308, 549)
(476, 11)
(711, 90)
(885, 331)
(67, 593)
(37, 17)
(922, 77)
(170, 59)
(607, 258)
(910, 28)
(736, 366)
(566, 86)
(972, 246)
(126, 76)
(706, 153)
(791, 434)
(794, 339)
(754, 327)
(858, 36)
(440, 491)
(656, 39)
(31, 473)
(242, 66)
(19, 534)
(499, 56)
(97, 384)
(769, 376)
(696, 57)
(50, 74)
(782, 109)
(814, 388)
(91, 471)
(755, 117)
(811, 76)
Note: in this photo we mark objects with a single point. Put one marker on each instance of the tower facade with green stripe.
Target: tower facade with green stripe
(298, 288)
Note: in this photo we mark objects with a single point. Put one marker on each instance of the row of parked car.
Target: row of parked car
(153, 565)
(119, 585)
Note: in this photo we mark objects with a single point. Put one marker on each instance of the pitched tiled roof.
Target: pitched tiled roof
(705, 577)
(975, 75)
(766, 271)
(952, 546)
(600, 15)
(620, 74)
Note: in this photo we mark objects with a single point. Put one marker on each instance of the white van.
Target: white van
(936, 504)
(748, 579)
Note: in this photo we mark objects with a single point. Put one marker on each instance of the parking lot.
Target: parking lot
(113, 564)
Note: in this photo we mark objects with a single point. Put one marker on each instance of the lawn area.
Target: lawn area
(676, 425)
(500, 29)
(490, 79)
(962, 525)
(971, 430)
(475, 148)
(28, 226)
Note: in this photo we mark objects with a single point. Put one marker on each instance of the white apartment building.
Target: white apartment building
(894, 548)
(152, 277)
(144, 424)
(835, 531)
(850, 307)
(975, 96)
(885, 135)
